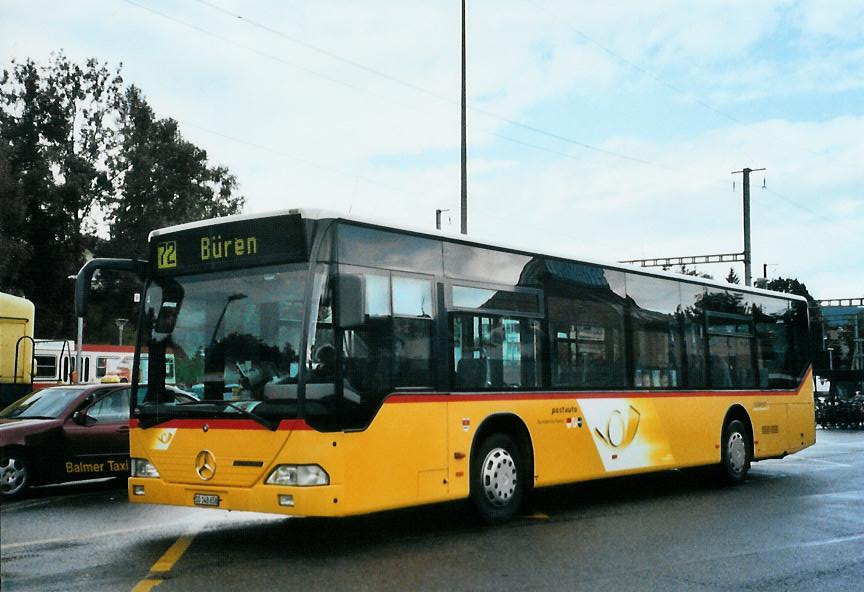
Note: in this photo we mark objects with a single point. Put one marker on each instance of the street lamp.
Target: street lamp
(830, 358)
(79, 341)
(120, 324)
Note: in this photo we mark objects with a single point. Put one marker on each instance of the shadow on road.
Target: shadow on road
(312, 538)
(74, 488)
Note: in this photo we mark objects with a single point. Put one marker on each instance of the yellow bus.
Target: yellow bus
(16, 347)
(344, 367)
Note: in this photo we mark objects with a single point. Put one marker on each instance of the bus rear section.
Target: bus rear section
(16, 347)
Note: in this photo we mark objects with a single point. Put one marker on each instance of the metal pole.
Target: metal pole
(464, 136)
(857, 357)
(748, 257)
(120, 324)
(80, 322)
(748, 280)
(79, 346)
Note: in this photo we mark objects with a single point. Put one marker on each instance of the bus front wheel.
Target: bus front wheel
(734, 452)
(497, 479)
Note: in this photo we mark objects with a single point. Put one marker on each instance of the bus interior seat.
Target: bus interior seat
(471, 373)
(721, 376)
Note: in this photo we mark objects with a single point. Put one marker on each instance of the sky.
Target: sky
(608, 130)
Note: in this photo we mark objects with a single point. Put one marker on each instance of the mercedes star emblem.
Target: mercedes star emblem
(205, 465)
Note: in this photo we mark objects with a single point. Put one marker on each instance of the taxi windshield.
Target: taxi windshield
(234, 338)
(48, 403)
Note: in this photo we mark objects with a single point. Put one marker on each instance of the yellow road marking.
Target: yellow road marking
(146, 585)
(172, 555)
(164, 564)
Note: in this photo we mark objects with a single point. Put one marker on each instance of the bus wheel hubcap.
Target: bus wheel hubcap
(737, 452)
(499, 477)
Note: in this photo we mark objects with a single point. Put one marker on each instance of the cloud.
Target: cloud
(300, 127)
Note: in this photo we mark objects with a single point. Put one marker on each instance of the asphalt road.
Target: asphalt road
(796, 524)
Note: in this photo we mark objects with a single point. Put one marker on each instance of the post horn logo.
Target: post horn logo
(205, 465)
(620, 430)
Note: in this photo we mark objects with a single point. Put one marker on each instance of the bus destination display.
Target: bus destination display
(229, 245)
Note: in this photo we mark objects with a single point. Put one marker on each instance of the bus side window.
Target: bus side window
(492, 352)
(412, 332)
(367, 348)
(393, 346)
(585, 308)
(695, 339)
(655, 331)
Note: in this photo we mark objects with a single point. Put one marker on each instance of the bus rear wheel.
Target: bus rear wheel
(497, 479)
(734, 452)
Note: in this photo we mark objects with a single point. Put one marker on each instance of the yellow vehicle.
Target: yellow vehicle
(16, 347)
(343, 367)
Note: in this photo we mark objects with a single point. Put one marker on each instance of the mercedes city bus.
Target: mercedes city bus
(343, 367)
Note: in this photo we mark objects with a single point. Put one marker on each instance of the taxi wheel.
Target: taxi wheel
(14, 475)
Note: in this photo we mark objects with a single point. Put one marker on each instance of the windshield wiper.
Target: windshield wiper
(270, 425)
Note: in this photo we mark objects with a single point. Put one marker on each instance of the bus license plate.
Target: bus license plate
(206, 499)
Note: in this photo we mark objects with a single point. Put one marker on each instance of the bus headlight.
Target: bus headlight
(141, 467)
(302, 475)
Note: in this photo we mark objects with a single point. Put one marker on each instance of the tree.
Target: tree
(695, 273)
(77, 146)
(732, 277)
(163, 180)
(791, 286)
(55, 134)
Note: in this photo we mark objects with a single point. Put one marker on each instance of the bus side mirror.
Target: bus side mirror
(167, 317)
(350, 300)
(85, 275)
(172, 298)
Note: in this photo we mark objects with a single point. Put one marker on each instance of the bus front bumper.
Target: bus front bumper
(324, 500)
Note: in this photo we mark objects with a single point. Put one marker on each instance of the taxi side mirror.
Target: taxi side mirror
(81, 418)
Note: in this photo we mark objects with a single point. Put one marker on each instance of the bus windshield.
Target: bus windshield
(234, 339)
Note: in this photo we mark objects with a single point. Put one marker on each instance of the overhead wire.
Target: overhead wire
(353, 176)
(442, 98)
(318, 165)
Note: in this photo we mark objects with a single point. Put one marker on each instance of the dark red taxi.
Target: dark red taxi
(65, 433)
